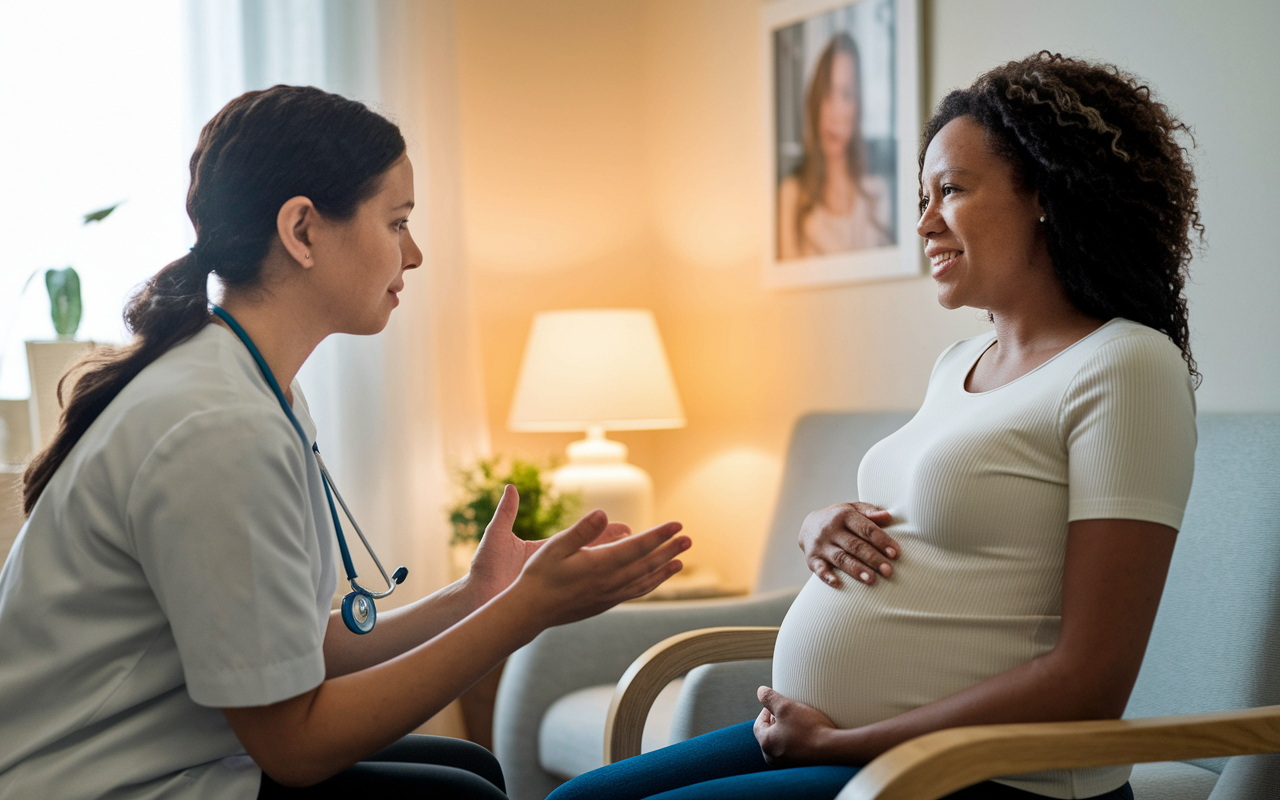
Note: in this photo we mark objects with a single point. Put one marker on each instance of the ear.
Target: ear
(293, 224)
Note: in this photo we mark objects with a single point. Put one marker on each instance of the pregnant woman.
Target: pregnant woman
(1009, 560)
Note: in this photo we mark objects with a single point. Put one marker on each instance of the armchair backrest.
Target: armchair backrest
(1216, 641)
(822, 468)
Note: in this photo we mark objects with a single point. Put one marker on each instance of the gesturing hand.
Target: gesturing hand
(791, 733)
(501, 554)
(848, 537)
(588, 568)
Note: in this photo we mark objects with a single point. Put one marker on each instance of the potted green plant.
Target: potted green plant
(542, 511)
(47, 362)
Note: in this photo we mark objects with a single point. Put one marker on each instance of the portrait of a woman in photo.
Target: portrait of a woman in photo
(829, 203)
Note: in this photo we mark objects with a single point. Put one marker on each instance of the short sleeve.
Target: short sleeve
(219, 518)
(1128, 422)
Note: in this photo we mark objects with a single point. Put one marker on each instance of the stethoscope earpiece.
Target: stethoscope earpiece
(358, 611)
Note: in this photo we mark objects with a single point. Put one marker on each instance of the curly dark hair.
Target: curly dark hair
(1116, 185)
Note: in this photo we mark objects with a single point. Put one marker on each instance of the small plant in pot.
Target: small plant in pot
(542, 511)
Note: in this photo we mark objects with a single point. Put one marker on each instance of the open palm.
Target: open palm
(502, 554)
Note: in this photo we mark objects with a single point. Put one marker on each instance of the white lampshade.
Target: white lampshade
(595, 369)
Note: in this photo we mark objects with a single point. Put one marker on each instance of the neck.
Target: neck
(1045, 321)
(283, 336)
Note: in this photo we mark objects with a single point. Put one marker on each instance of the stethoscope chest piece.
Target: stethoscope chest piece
(358, 612)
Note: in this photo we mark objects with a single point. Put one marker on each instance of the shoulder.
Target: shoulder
(1129, 371)
(1123, 350)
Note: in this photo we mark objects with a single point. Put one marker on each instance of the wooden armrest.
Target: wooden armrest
(936, 764)
(663, 663)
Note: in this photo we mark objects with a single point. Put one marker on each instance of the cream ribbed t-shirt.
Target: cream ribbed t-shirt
(981, 486)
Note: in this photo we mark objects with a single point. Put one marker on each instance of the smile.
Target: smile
(942, 261)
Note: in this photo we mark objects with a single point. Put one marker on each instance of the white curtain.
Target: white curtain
(396, 410)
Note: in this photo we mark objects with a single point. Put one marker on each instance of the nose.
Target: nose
(930, 222)
(410, 255)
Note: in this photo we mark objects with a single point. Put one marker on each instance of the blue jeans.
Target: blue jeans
(727, 765)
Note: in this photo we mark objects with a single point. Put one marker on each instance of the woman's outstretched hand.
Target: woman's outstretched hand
(791, 733)
(848, 537)
(501, 554)
(593, 565)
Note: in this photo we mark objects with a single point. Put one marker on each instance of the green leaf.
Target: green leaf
(64, 299)
(100, 214)
(542, 512)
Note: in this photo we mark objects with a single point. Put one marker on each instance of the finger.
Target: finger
(849, 564)
(871, 512)
(771, 700)
(647, 583)
(654, 560)
(612, 533)
(823, 570)
(636, 546)
(580, 533)
(873, 533)
(505, 515)
(863, 551)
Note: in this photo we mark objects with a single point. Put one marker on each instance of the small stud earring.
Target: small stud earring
(1041, 219)
(309, 255)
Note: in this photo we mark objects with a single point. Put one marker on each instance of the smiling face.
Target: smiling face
(360, 262)
(979, 223)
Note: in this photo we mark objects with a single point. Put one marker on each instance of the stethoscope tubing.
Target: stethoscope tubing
(330, 489)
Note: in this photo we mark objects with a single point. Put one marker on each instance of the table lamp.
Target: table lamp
(597, 370)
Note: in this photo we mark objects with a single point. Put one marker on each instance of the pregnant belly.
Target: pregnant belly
(861, 653)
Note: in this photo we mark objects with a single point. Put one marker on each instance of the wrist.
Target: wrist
(844, 746)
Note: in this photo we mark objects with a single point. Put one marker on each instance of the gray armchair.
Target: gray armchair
(549, 718)
(1203, 722)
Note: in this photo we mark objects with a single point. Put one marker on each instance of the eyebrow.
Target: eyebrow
(405, 204)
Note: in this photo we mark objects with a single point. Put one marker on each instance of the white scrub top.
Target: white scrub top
(180, 561)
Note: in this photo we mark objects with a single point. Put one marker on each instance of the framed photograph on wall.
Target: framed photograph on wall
(843, 120)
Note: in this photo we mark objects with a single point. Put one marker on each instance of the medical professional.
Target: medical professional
(165, 624)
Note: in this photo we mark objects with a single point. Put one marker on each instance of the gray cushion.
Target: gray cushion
(1172, 780)
(716, 696)
(1216, 641)
(571, 736)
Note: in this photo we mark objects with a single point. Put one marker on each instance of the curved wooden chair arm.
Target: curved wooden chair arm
(936, 764)
(663, 663)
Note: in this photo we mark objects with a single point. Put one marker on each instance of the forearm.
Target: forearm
(1042, 690)
(350, 717)
(398, 630)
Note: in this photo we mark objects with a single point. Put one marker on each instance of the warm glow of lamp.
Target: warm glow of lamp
(592, 371)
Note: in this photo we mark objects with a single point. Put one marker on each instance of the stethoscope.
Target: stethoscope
(358, 611)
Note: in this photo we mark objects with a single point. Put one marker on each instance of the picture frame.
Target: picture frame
(842, 121)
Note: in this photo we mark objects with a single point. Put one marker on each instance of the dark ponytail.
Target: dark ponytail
(262, 149)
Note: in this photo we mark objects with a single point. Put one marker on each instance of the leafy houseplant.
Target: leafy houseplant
(64, 288)
(542, 511)
(64, 301)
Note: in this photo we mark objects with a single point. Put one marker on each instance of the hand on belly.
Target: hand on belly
(848, 537)
(791, 733)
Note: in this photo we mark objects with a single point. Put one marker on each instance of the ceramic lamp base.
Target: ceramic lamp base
(598, 470)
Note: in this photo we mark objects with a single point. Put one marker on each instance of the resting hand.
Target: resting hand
(593, 566)
(848, 537)
(791, 733)
(501, 554)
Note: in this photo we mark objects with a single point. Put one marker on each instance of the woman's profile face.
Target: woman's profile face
(838, 113)
(360, 262)
(979, 223)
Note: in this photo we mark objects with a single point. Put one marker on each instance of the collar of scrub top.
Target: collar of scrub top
(358, 611)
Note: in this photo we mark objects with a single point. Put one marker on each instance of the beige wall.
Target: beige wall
(614, 154)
